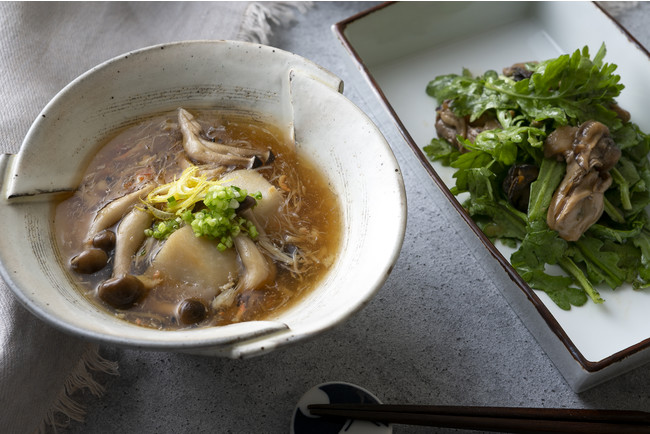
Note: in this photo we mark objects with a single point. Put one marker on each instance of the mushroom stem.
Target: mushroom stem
(129, 237)
(115, 210)
(123, 290)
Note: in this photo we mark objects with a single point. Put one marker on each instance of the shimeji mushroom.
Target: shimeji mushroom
(205, 151)
(99, 239)
(257, 271)
(115, 210)
(123, 290)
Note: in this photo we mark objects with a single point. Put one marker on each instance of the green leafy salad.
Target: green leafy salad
(552, 167)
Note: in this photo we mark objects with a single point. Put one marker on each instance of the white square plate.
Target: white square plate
(400, 47)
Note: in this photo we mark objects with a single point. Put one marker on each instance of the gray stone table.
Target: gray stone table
(438, 332)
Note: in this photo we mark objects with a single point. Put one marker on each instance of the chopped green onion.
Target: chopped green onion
(218, 220)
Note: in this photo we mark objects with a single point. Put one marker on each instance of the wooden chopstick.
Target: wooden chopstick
(498, 419)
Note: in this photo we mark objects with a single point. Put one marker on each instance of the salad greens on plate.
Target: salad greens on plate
(553, 167)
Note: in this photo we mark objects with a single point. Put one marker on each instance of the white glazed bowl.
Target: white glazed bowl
(290, 90)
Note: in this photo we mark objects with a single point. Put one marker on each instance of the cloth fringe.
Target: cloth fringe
(260, 18)
(66, 409)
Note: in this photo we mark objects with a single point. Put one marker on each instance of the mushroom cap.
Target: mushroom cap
(89, 261)
(121, 292)
(192, 311)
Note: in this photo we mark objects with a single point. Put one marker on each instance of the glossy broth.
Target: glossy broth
(152, 150)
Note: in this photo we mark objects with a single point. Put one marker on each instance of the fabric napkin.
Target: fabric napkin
(44, 46)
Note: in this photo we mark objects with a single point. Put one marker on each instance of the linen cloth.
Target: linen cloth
(44, 46)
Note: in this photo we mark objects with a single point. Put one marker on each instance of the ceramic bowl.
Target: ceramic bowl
(294, 92)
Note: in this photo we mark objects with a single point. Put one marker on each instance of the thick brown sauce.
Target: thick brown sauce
(151, 150)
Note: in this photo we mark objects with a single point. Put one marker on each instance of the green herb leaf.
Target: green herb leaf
(567, 90)
(558, 288)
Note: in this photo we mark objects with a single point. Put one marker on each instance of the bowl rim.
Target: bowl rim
(201, 339)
